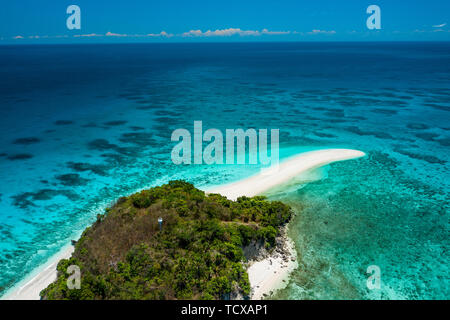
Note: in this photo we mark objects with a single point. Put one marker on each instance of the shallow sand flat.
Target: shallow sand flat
(287, 170)
(264, 275)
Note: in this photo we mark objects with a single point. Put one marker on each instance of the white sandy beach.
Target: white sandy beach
(265, 275)
(272, 272)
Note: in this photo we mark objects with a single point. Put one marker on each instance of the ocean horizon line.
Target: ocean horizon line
(32, 42)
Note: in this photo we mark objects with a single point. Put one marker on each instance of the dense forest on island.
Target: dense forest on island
(198, 253)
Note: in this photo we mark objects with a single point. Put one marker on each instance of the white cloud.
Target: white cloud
(440, 25)
(265, 31)
(317, 31)
(161, 34)
(228, 32)
(231, 32)
(89, 35)
(110, 34)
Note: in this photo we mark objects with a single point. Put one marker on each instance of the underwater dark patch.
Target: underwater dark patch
(72, 179)
(130, 95)
(384, 111)
(437, 106)
(99, 169)
(136, 128)
(101, 145)
(424, 157)
(417, 126)
(357, 118)
(137, 138)
(163, 130)
(25, 200)
(90, 125)
(148, 107)
(115, 123)
(167, 120)
(324, 135)
(20, 156)
(26, 141)
(335, 114)
(428, 136)
(115, 158)
(381, 135)
(63, 122)
(166, 113)
(443, 142)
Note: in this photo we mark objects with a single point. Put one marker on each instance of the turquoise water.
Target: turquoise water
(84, 125)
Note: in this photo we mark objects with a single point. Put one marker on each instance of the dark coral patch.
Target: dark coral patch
(148, 107)
(115, 123)
(381, 135)
(101, 170)
(72, 179)
(137, 138)
(324, 135)
(166, 113)
(20, 156)
(358, 118)
(115, 158)
(101, 145)
(136, 128)
(384, 111)
(428, 136)
(417, 126)
(90, 125)
(438, 107)
(424, 157)
(167, 120)
(63, 122)
(444, 142)
(26, 141)
(25, 200)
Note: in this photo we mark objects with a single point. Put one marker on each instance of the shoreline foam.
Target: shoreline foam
(265, 275)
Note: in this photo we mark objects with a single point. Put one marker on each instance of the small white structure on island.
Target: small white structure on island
(160, 221)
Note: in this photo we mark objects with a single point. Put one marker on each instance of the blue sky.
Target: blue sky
(44, 21)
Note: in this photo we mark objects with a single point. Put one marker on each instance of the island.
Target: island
(200, 249)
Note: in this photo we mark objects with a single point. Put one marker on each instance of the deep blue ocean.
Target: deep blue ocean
(82, 125)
